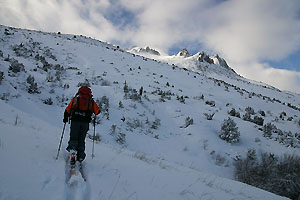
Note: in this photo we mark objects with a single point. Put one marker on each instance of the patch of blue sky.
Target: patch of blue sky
(292, 62)
(193, 47)
(120, 17)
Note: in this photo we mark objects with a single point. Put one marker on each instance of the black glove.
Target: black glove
(66, 117)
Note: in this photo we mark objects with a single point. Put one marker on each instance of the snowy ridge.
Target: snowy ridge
(199, 62)
(142, 51)
(147, 148)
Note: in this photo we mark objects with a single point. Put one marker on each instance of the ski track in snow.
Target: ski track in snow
(78, 190)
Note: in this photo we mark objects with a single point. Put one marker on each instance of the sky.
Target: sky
(259, 39)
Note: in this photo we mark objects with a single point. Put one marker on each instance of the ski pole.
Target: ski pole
(62, 135)
(93, 155)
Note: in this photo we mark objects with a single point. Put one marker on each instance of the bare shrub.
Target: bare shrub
(1, 76)
(188, 121)
(268, 172)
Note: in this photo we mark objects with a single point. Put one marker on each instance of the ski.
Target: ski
(73, 168)
(82, 172)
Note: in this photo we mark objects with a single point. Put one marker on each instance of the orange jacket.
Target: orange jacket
(94, 107)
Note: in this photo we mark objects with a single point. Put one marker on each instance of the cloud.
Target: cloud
(75, 17)
(254, 30)
(165, 23)
(280, 78)
(245, 33)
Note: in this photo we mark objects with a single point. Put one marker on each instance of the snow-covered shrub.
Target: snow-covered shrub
(250, 110)
(113, 129)
(211, 103)
(199, 97)
(125, 88)
(250, 171)
(48, 101)
(287, 139)
(268, 130)
(121, 138)
(5, 96)
(130, 93)
(16, 120)
(229, 131)
(6, 32)
(258, 120)
(62, 100)
(58, 75)
(106, 83)
(155, 124)
(262, 113)
(234, 113)
(46, 66)
(247, 117)
(133, 95)
(32, 89)
(142, 126)
(52, 91)
(209, 116)
(164, 95)
(188, 121)
(297, 137)
(96, 138)
(121, 104)
(58, 67)
(50, 77)
(219, 159)
(181, 99)
(85, 83)
(277, 175)
(141, 90)
(66, 86)
(22, 51)
(16, 67)
(293, 106)
(103, 104)
(282, 115)
(133, 105)
(134, 124)
(1, 76)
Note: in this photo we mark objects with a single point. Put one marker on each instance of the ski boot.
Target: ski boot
(73, 155)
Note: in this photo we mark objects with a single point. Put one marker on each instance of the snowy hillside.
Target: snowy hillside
(162, 144)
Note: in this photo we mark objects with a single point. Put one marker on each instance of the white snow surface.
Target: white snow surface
(163, 162)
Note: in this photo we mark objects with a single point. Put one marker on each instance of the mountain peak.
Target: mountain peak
(219, 61)
(183, 52)
(203, 57)
(142, 50)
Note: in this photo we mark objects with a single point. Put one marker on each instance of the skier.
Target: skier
(79, 111)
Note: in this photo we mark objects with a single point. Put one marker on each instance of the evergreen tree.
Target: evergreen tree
(229, 131)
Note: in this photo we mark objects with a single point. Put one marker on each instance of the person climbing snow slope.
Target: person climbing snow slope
(79, 111)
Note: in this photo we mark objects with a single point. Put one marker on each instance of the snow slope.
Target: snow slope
(160, 158)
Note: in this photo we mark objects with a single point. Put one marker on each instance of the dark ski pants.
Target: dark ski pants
(77, 138)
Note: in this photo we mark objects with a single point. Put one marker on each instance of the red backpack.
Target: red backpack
(83, 99)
